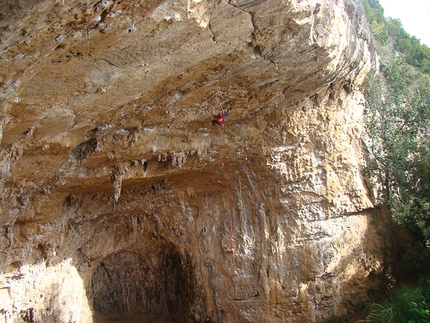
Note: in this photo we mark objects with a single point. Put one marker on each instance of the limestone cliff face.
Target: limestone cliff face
(119, 198)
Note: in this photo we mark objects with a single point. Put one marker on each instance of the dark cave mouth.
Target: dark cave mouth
(151, 284)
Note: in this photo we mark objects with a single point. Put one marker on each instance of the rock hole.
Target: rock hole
(28, 315)
(85, 149)
(256, 52)
(347, 87)
(317, 8)
(156, 284)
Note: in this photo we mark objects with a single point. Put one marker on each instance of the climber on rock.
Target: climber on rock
(220, 117)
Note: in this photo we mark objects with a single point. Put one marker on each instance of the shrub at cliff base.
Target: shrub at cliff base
(405, 305)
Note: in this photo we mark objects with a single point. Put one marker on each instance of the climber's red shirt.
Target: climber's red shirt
(219, 119)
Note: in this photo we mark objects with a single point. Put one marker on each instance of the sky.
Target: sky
(414, 15)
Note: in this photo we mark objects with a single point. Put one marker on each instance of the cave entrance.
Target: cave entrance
(141, 287)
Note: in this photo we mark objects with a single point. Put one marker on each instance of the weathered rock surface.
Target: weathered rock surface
(119, 198)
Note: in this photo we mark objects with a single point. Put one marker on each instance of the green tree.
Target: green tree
(398, 119)
(374, 11)
(390, 31)
(379, 30)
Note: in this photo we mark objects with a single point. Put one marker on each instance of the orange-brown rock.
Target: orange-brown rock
(120, 198)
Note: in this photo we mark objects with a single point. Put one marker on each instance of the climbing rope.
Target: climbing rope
(227, 186)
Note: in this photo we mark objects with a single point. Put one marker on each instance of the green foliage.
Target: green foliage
(374, 11)
(414, 263)
(397, 117)
(380, 31)
(405, 305)
(388, 30)
(336, 319)
(398, 122)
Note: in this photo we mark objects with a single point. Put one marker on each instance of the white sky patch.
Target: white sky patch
(414, 15)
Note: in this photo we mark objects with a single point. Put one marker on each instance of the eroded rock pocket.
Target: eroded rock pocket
(84, 149)
(157, 284)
